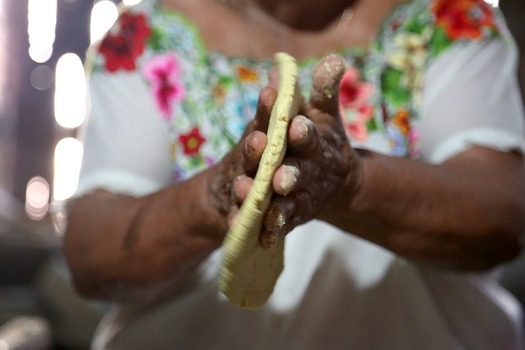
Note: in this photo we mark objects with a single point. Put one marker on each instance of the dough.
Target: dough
(248, 273)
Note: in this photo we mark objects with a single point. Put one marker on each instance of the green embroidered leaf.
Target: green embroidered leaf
(154, 41)
(225, 81)
(415, 26)
(390, 87)
(371, 124)
(377, 45)
(440, 42)
(196, 160)
(493, 32)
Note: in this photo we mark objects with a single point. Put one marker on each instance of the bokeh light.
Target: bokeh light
(68, 156)
(37, 198)
(103, 16)
(70, 91)
(41, 17)
(42, 77)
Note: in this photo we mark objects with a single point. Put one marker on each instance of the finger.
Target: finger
(300, 131)
(286, 179)
(267, 239)
(241, 187)
(254, 146)
(273, 78)
(295, 175)
(303, 136)
(284, 214)
(267, 98)
(275, 223)
(325, 86)
(277, 218)
(255, 141)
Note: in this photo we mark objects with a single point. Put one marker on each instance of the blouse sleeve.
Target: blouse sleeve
(471, 97)
(126, 144)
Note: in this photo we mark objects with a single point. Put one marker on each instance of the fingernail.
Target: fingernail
(289, 178)
(305, 124)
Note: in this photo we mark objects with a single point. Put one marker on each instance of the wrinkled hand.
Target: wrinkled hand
(318, 164)
(242, 161)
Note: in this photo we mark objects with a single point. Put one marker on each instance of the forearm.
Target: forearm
(120, 246)
(467, 213)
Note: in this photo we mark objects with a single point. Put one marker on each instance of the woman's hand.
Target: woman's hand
(242, 161)
(464, 214)
(319, 161)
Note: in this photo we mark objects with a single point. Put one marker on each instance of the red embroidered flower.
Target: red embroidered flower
(354, 93)
(121, 48)
(192, 142)
(463, 19)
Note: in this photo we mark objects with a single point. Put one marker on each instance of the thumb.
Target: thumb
(327, 76)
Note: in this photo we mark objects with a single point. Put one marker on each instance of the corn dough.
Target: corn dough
(248, 273)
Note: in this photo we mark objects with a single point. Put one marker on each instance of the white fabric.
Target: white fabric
(453, 118)
(469, 100)
(126, 150)
(336, 291)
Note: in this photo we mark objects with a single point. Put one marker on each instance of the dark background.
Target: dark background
(33, 279)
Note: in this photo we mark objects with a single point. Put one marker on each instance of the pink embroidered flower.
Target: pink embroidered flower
(413, 143)
(163, 74)
(354, 105)
(357, 130)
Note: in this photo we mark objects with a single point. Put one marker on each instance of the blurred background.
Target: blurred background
(42, 50)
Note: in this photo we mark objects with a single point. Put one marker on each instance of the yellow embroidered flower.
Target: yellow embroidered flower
(411, 51)
(409, 58)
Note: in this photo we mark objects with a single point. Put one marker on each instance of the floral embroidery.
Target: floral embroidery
(402, 121)
(220, 89)
(354, 105)
(463, 19)
(402, 136)
(219, 94)
(409, 44)
(409, 57)
(192, 142)
(247, 74)
(214, 97)
(173, 151)
(125, 43)
(163, 72)
(413, 143)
